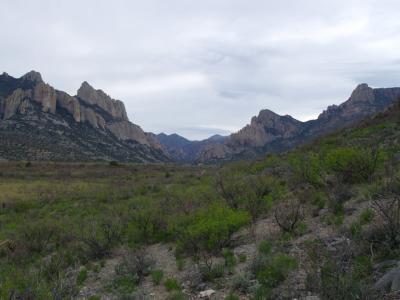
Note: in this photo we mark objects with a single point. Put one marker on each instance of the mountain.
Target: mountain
(38, 122)
(183, 150)
(270, 132)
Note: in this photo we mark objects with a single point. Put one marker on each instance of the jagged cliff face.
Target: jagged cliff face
(31, 95)
(269, 132)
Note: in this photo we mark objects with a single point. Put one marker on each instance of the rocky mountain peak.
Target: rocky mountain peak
(362, 93)
(91, 96)
(33, 76)
(264, 116)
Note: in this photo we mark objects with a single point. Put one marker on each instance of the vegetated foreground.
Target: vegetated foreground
(320, 222)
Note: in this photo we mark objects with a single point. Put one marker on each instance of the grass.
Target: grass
(59, 216)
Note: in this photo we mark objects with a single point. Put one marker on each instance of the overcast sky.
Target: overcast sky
(203, 67)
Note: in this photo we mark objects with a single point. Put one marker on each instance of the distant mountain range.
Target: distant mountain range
(38, 122)
(269, 132)
(183, 150)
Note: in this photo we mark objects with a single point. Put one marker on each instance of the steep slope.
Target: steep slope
(269, 132)
(38, 122)
(184, 150)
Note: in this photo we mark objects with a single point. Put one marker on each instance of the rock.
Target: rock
(71, 104)
(33, 76)
(362, 93)
(26, 95)
(390, 281)
(18, 101)
(206, 293)
(114, 108)
(90, 116)
(46, 96)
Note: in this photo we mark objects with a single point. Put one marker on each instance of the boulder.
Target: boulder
(206, 293)
(390, 281)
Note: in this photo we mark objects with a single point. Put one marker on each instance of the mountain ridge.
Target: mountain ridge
(270, 132)
(28, 97)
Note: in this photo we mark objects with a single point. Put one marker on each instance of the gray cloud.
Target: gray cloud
(204, 67)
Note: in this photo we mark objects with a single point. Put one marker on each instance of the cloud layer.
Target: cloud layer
(204, 67)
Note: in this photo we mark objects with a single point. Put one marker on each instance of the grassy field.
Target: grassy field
(62, 223)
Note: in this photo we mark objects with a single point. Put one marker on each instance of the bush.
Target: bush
(241, 283)
(265, 247)
(82, 275)
(231, 296)
(210, 273)
(157, 276)
(210, 229)
(136, 265)
(180, 263)
(366, 216)
(288, 215)
(307, 168)
(270, 268)
(38, 235)
(177, 296)
(242, 257)
(171, 284)
(352, 165)
(100, 237)
(229, 258)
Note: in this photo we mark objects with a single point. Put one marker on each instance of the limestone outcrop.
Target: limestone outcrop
(91, 96)
(94, 107)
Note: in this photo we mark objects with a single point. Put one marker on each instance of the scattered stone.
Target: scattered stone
(390, 281)
(206, 293)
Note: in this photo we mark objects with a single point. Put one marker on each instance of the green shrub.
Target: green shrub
(307, 168)
(38, 235)
(229, 258)
(210, 273)
(101, 236)
(241, 283)
(242, 257)
(172, 284)
(124, 284)
(82, 275)
(180, 263)
(265, 247)
(177, 296)
(232, 296)
(366, 216)
(136, 265)
(210, 229)
(157, 276)
(271, 269)
(352, 165)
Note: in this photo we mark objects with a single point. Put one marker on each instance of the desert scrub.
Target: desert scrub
(366, 216)
(230, 260)
(157, 276)
(271, 268)
(242, 257)
(172, 284)
(209, 230)
(180, 263)
(82, 275)
(210, 273)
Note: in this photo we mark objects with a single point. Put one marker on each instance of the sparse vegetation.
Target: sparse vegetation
(62, 224)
